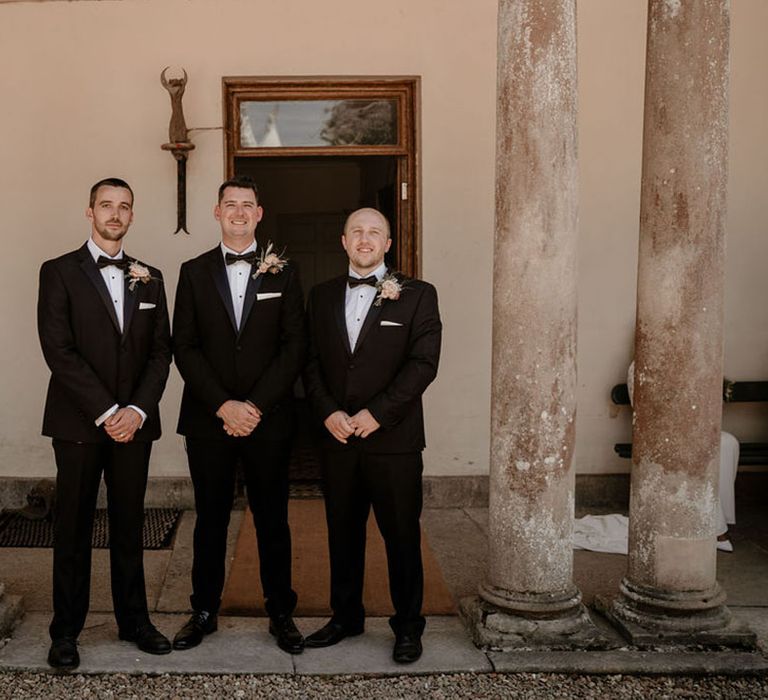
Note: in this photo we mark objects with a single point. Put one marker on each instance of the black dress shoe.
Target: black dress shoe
(201, 623)
(147, 638)
(288, 636)
(63, 653)
(332, 633)
(407, 648)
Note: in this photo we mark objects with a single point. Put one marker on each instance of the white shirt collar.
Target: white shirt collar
(380, 271)
(225, 249)
(95, 251)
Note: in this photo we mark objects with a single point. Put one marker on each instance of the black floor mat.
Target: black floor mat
(18, 531)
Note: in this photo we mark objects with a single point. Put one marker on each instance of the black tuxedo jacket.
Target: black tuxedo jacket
(258, 363)
(93, 365)
(395, 359)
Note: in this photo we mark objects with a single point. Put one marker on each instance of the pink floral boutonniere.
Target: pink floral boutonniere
(269, 262)
(137, 273)
(388, 287)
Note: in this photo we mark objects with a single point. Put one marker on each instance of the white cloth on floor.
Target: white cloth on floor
(610, 534)
(601, 533)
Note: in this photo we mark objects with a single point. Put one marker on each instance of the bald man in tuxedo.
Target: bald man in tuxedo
(374, 349)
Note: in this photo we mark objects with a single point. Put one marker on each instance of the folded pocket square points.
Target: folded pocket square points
(390, 323)
(146, 305)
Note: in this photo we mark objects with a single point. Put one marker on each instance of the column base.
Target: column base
(11, 611)
(647, 617)
(496, 628)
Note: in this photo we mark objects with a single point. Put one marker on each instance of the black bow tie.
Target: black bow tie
(357, 281)
(231, 258)
(104, 261)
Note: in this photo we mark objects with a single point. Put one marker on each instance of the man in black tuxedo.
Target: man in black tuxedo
(374, 349)
(239, 343)
(103, 325)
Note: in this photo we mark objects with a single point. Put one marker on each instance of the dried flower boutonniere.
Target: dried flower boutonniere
(388, 287)
(137, 273)
(270, 262)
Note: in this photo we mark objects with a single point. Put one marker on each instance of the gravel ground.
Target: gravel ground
(461, 685)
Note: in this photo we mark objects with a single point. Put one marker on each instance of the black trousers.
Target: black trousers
(212, 465)
(391, 483)
(79, 468)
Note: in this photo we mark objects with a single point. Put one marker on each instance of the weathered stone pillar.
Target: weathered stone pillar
(529, 598)
(670, 591)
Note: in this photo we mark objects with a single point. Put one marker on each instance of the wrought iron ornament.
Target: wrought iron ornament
(179, 144)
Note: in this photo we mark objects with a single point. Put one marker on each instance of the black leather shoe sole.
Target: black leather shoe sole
(189, 639)
(406, 651)
(63, 654)
(286, 643)
(152, 644)
(329, 635)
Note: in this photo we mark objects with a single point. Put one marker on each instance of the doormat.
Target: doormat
(311, 571)
(305, 489)
(18, 531)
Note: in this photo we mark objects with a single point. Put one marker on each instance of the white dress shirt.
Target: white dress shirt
(238, 274)
(358, 303)
(114, 278)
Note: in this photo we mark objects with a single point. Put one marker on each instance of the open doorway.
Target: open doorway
(318, 149)
(307, 199)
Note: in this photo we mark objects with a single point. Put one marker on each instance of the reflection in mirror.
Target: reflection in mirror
(318, 123)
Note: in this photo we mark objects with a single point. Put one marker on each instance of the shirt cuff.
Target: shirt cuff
(140, 412)
(105, 415)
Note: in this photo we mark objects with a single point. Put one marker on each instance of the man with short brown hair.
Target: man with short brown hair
(104, 331)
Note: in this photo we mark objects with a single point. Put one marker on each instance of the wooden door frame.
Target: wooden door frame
(405, 90)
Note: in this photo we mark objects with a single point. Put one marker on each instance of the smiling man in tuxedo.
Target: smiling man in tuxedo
(374, 349)
(104, 331)
(239, 344)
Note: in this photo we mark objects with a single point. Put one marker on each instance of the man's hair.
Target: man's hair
(241, 181)
(108, 182)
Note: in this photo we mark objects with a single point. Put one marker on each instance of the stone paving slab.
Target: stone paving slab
(244, 645)
(27, 571)
(667, 662)
(447, 649)
(241, 645)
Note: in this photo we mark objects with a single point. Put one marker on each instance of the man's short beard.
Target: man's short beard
(109, 235)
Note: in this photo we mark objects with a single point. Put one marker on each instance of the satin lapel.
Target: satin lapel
(371, 319)
(219, 273)
(250, 297)
(94, 274)
(129, 303)
(339, 308)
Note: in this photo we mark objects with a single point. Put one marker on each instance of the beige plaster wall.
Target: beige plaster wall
(81, 99)
(611, 75)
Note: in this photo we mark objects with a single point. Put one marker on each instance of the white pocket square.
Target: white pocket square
(268, 295)
(390, 323)
(146, 305)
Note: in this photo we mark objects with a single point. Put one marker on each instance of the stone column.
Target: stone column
(529, 598)
(670, 591)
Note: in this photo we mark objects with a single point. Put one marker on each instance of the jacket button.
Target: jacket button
(239, 348)
(351, 365)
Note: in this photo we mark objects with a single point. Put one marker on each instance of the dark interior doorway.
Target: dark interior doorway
(306, 200)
